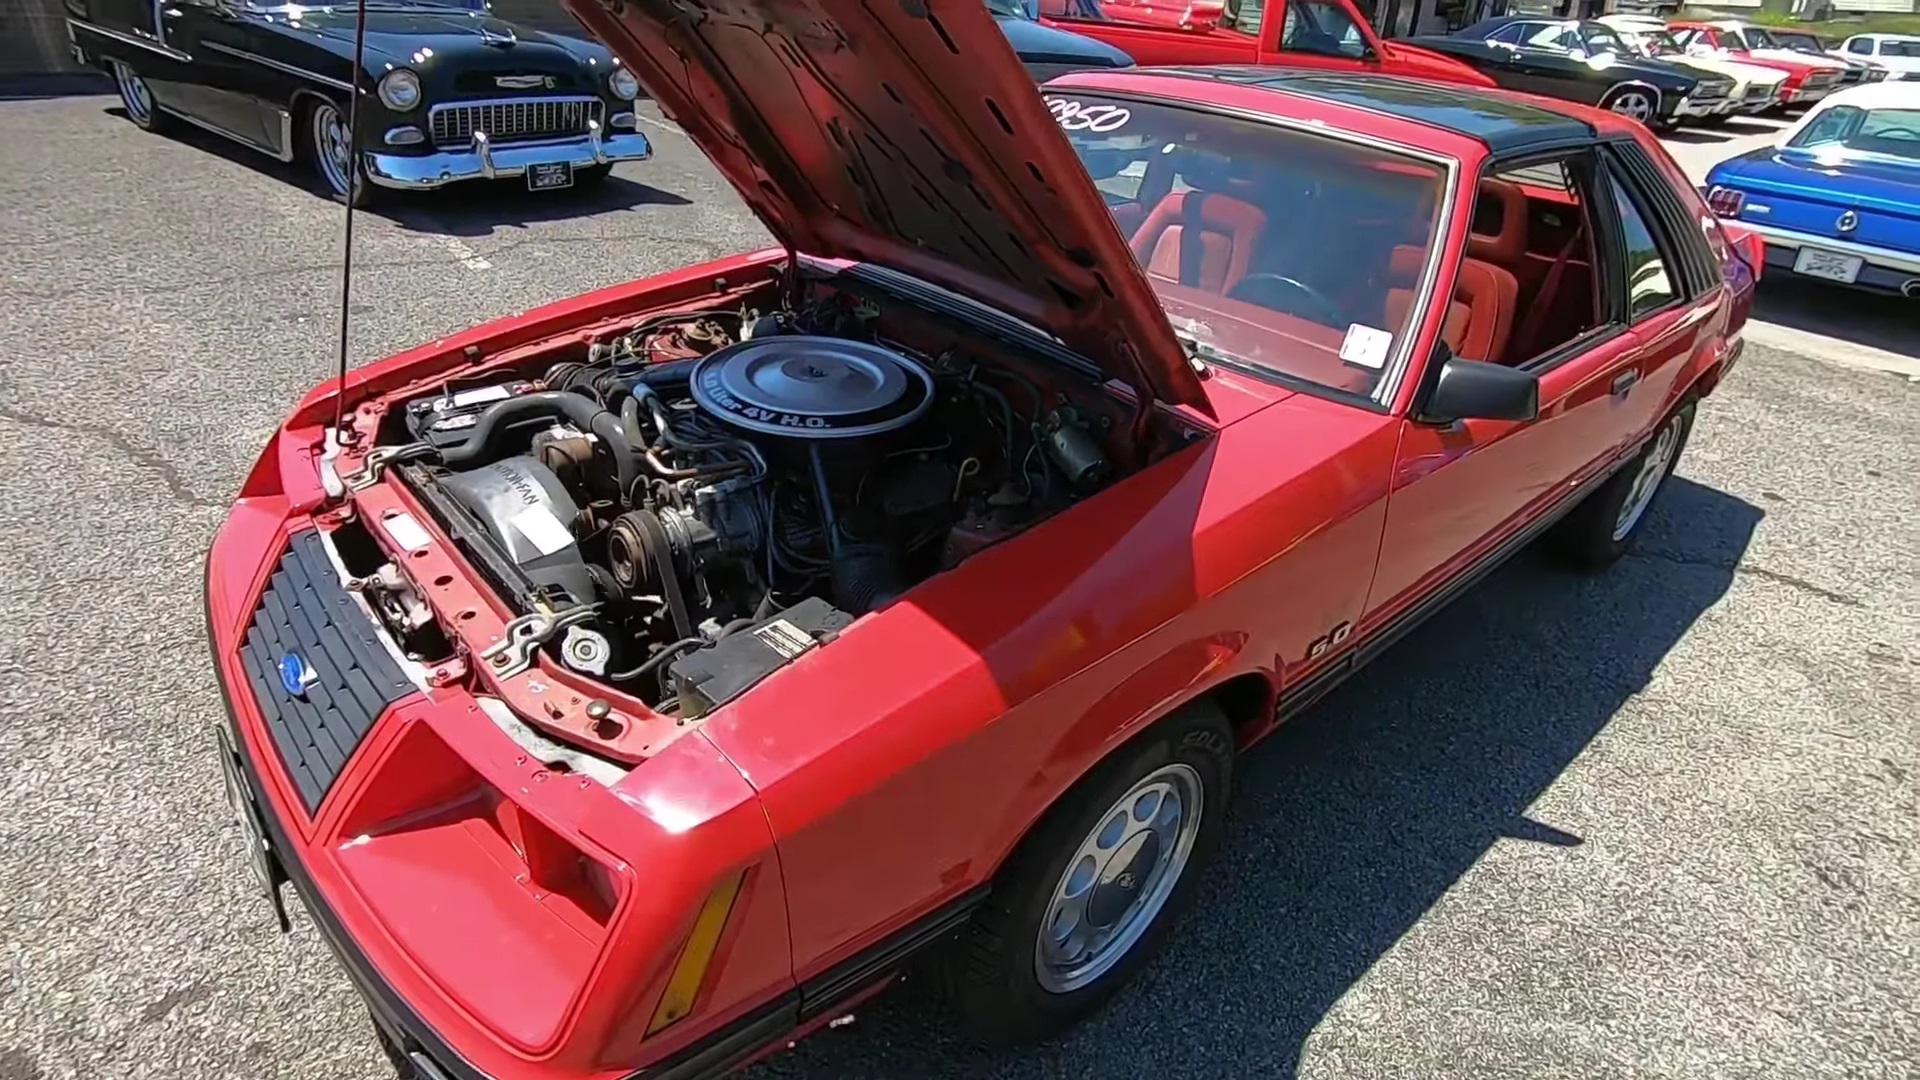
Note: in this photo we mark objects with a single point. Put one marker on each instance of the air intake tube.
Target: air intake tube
(482, 444)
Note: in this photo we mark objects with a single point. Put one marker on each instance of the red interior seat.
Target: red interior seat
(1199, 239)
(1480, 316)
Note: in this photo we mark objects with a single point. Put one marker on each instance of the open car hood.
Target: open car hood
(905, 134)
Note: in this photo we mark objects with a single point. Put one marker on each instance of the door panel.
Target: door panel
(220, 87)
(1460, 490)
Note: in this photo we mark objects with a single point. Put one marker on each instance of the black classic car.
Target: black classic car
(1586, 61)
(447, 91)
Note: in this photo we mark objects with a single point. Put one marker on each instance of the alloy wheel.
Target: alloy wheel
(333, 149)
(1634, 104)
(1119, 879)
(1646, 482)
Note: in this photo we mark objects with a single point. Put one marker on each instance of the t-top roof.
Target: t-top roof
(1504, 124)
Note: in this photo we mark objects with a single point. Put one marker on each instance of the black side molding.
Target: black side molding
(1321, 683)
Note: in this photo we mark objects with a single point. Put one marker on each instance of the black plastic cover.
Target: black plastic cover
(716, 674)
(307, 623)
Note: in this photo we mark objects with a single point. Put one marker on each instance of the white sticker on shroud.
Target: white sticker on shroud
(538, 524)
(406, 532)
(1366, 346)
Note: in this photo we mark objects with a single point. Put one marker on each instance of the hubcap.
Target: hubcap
(1119, 879)
(1633, 104)
(333, 148)
(1653, 469)
(134, 94)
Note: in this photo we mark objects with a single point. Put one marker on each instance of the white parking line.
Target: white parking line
(463, 254)
(663, 125)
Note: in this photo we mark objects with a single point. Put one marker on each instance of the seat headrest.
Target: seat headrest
(1499, 223)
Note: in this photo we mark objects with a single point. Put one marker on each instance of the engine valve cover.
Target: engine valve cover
(799, 386)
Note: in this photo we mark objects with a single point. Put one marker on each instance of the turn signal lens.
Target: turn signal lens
(1726, 202)
(690, 970)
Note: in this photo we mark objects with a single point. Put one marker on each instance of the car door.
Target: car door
(1462, 490)
(1323, 35)
(1666, 274)
(220, 86)
(1552, 62)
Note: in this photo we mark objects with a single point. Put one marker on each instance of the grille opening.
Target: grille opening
(509, 122)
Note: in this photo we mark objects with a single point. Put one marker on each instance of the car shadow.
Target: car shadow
(481, 207)
(1850, 315)
(1356, 818)
(470, 208)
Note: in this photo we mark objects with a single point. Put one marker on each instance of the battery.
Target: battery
(713, 675)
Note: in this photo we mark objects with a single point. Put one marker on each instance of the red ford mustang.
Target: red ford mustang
(632, 685)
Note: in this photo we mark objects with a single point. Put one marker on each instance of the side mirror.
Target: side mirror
(1477, 390)
(1203, 14)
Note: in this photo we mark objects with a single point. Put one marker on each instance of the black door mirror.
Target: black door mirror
(1477, 390)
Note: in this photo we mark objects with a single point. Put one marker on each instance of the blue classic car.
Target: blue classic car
(1837, 197)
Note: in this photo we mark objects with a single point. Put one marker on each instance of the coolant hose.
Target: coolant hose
(480, 445)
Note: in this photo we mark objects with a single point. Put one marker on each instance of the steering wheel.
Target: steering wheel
(1260, 289)
(1898, 135)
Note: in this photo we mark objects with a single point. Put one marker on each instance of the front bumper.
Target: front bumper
(1802, 95)
(1687, 107)
(485, 161)
(416, 1024)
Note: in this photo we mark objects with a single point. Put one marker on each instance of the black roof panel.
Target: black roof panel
(1502, 123)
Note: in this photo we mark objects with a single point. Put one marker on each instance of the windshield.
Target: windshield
(1760, 39)
(1798, 42)
(1661, 43)
(1234, 222)
(1848, 128)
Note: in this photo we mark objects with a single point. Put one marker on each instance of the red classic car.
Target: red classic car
(630, 686)
(1321, 35)
(1809, 77)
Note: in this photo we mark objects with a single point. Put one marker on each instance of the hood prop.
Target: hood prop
(355, 177)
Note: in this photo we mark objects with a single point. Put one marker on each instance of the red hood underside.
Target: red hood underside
(904, 133)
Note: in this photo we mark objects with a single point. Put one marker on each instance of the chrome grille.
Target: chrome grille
(1711, 91)
(1818, 79)
(511, 121)
(1758, 91)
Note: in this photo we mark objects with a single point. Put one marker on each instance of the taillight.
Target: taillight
(1726, 202)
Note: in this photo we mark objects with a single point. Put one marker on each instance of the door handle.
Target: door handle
(1623, 382)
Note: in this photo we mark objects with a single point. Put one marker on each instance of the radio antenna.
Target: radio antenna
(355, 177)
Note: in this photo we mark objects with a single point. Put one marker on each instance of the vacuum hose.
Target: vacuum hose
(492, 425)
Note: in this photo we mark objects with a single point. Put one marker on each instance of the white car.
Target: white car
(1756, 89)
(1898, 53)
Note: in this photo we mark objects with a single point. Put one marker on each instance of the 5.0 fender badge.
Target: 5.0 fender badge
(296, 674)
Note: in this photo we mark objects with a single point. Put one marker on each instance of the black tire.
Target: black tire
(1648, 106)
(991, 974)
(136, 99)
(1591, 537)
(343, 184)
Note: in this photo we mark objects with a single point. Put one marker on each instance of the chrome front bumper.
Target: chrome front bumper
(484, 161)
(1690, 107)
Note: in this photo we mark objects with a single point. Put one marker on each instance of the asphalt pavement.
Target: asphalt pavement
(1660, 823)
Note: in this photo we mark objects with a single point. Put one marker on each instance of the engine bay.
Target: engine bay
(701, 498)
